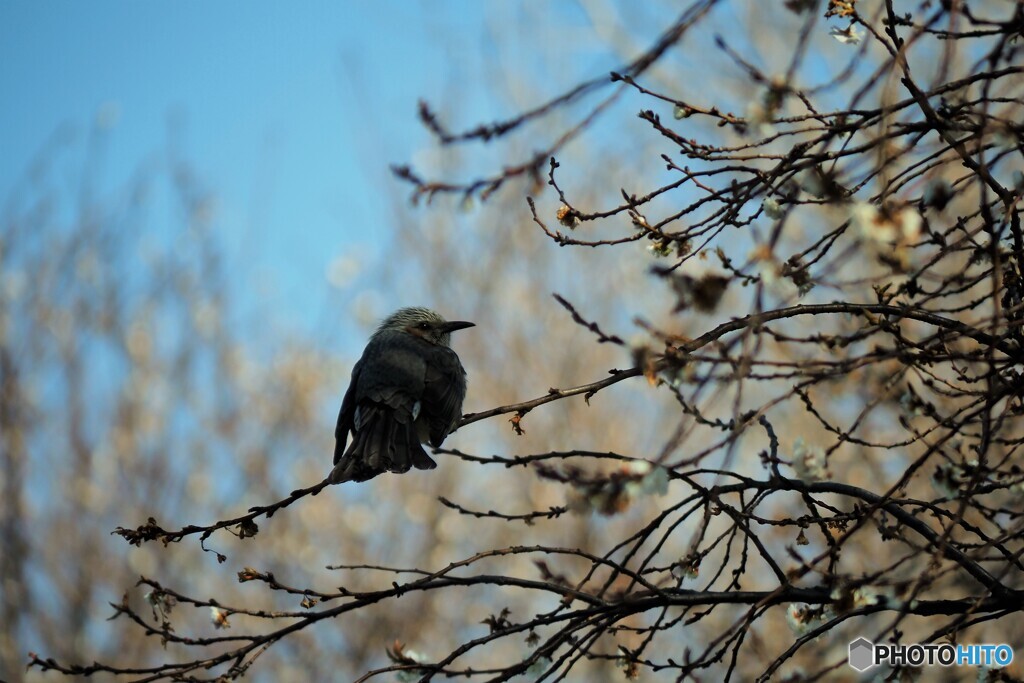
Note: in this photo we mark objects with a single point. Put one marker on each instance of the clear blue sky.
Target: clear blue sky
(290, 113)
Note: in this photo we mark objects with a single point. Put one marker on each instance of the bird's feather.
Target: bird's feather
(404, 390)
(444, 389)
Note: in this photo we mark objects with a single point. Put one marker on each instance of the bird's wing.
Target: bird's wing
(346, 416)
(443, 392)
(392, 374)
(385, 392)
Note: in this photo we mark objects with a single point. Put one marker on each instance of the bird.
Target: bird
(407, 388)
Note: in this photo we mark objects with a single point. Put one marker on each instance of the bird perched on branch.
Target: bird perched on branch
(407, 388)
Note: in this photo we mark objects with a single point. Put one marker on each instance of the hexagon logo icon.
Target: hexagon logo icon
(862, 654)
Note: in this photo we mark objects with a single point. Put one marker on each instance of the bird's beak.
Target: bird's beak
(453, 325)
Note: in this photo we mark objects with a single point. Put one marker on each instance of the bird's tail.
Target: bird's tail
(385, 440)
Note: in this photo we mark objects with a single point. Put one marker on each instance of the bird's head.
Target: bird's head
(423, 323)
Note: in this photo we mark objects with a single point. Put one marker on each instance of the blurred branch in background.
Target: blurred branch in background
(775, 406)
(128, 390)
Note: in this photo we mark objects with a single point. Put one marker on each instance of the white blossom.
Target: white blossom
(772, 208)
(886, 226)
(850, 35)
(809, 461)
(219, 617)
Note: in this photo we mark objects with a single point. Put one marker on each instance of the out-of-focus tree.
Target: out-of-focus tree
(132, 387)
(778, 395)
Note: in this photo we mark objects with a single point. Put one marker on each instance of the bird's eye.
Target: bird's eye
(424, 326)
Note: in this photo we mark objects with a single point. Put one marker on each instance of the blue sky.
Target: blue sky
(290, 114)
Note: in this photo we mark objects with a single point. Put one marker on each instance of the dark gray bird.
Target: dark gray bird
(406, 389)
